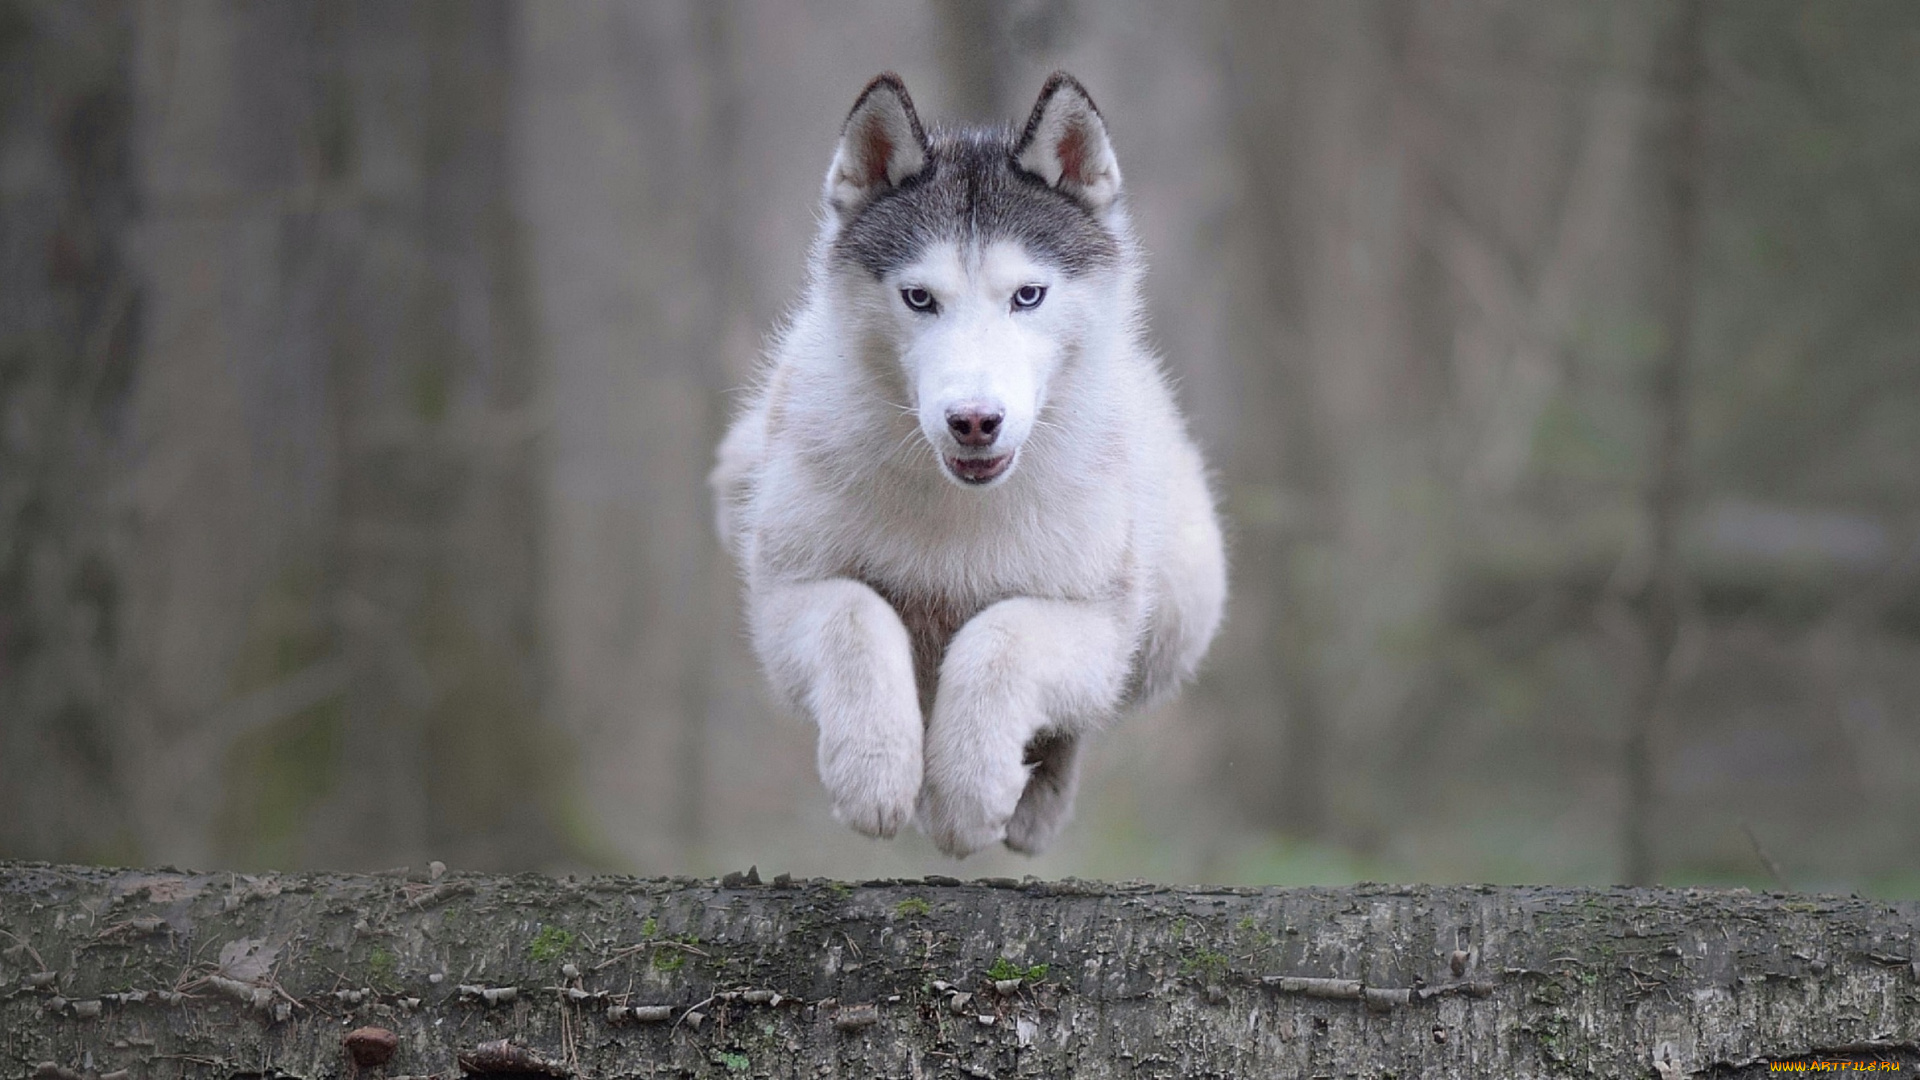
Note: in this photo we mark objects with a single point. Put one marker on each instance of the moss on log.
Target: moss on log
(135, 974)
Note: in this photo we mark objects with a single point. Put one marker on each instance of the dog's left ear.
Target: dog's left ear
(881, 144)
(1065, 144)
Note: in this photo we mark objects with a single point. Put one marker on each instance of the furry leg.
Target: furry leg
(840, 654)
(1048, 801)
(1021, 667)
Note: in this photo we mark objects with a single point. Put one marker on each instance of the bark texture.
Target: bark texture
(164, 974)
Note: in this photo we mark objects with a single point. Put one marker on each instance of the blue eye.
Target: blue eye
(1028, 297)
(917, 298)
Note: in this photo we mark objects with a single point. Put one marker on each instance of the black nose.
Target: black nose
(974, 426)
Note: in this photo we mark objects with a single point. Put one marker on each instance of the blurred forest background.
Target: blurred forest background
(360, 366)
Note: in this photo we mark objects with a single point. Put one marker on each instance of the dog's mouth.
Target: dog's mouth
(979, 471)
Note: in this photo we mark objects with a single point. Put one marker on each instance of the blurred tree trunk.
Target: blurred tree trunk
(986, 48)
(719, 269)
(1277, 764)
(434, 377)
(640, 246)
(910, 979)
(1682, 75)
(974, 55)
(1335, 343)
(319, 434)
(70, 314)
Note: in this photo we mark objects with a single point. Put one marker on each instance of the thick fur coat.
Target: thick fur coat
(971, 523)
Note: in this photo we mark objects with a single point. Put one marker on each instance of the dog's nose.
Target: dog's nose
(974, 425)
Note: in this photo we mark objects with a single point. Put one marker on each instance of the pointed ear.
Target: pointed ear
(1065, 144)
(881, 144)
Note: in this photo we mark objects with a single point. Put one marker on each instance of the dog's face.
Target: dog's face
(980, 330)
(972, 262)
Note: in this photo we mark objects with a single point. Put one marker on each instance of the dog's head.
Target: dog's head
(973, 265)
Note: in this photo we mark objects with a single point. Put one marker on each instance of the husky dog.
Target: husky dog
(971, 522)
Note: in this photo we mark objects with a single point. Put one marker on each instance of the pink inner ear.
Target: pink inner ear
(1071, 151)
(875, 150)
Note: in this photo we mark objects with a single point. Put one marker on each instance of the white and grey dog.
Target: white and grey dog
(972, 525)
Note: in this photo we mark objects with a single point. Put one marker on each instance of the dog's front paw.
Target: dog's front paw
(966, 806)
(874, 787)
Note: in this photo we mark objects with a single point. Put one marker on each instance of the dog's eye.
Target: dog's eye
(1028, 297)
(917, 298)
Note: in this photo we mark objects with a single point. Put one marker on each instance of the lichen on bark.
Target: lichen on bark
(165, 974)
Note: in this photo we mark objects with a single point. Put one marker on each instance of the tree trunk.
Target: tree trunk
(70, 313)
(142, 974)
(1667, 452)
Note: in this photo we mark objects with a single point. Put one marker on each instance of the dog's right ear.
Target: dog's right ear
(1065, 144)
(881, 144)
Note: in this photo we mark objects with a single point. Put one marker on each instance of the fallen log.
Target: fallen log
(137, 974)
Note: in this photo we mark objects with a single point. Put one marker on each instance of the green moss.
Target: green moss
(382, 965)
(1553, 1032)
(1004, 969)
(733, 1062)
(910, 907)
(550, 943)
(649, 927)
(1206, 965)
(669, 959)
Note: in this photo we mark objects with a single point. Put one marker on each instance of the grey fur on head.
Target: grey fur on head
(895, 187)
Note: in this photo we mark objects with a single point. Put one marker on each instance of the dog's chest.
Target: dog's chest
(931, 622)
(940, 555)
